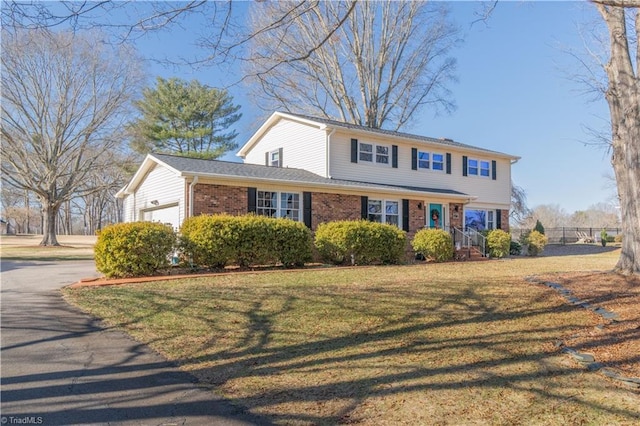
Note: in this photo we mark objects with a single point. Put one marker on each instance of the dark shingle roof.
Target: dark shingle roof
(196, 166)
(441, 141)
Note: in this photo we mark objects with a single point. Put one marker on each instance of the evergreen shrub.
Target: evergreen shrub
(134, 249)
(361, 242)
(515, 249)
(215, 241)
(434, 244)
(536, 243)
(499, 243)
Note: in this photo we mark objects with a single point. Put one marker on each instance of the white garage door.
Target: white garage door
(168, 214)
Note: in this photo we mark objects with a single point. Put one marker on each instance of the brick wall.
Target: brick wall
(504, 220)
(212, 199)
(456, 217)
(328, 207)
(416, 217)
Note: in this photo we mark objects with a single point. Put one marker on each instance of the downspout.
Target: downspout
(191, 186)
(328, 159)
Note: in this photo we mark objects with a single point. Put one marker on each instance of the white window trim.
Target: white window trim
(479, 174)
(271, 154)
(383, 214)
(278, 208)
(486, 211)
(430, 168)
(374, 154)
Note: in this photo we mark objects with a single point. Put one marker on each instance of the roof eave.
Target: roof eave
(353, 188)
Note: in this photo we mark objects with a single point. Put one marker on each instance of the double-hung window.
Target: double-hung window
(479, 219)
(478, 167)
(372, 153)
(384, 211)
(278, 204)
(274, 158)
(430, 161)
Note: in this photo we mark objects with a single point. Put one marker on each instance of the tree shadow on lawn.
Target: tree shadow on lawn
(314, 381)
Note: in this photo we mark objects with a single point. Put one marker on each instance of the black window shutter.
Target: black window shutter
(464, 165)
(306, 215)
(364, 207)
(405, 215)
(251, 196)
(448, 163)
(281, 164)
(354, 150)
(494, 172)
(266, 158)
(414, 159)
(394, 156)
(498, 219)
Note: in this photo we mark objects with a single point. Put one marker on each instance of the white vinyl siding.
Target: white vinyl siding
(496, 192)
(303, 146)
(164, 188)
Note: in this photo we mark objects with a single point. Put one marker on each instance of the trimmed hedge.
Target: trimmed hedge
(360, 242)
(218, 240)
(435, 245)
(134, 249)
(499, 243)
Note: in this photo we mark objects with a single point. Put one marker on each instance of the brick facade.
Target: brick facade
(212, 199)
(416, 217)
(326, 207)
(456, 217)
(504, 220)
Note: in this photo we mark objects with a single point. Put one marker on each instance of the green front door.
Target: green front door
(435, 216)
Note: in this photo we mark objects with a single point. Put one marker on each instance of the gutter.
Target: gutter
(328, 165)
(191, 186)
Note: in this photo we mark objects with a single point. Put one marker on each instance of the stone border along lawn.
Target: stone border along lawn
(585, 359)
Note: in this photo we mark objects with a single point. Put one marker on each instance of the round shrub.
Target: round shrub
(134, 249)
(536, 242)
(293, 242)
(208, 239)
(434, 244)
(499, 243)
(361, 242)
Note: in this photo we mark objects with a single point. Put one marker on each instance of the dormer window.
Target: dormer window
(274, 158)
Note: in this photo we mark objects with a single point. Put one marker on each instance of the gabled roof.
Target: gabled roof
(242, 172)
(324, 123)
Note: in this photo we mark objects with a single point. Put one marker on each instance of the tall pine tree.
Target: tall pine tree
(185, 118)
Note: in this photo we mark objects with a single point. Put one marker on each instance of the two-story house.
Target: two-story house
(317, 170)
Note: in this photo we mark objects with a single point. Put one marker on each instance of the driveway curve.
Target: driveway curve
(60, 367)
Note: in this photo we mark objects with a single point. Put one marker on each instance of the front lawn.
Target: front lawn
(453, 343)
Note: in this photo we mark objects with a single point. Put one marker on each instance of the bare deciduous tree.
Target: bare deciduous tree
(519, 210)
(384, 63)
(623, 96)
(221, 40)
(64, 102)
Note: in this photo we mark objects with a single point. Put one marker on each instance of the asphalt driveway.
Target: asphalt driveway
(60, 367)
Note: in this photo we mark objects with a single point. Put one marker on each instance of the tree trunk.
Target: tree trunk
(49, 237)
(623, 97)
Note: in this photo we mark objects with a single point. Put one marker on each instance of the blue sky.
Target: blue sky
(514, 95)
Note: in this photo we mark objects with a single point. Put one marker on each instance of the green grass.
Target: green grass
(454, 343)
